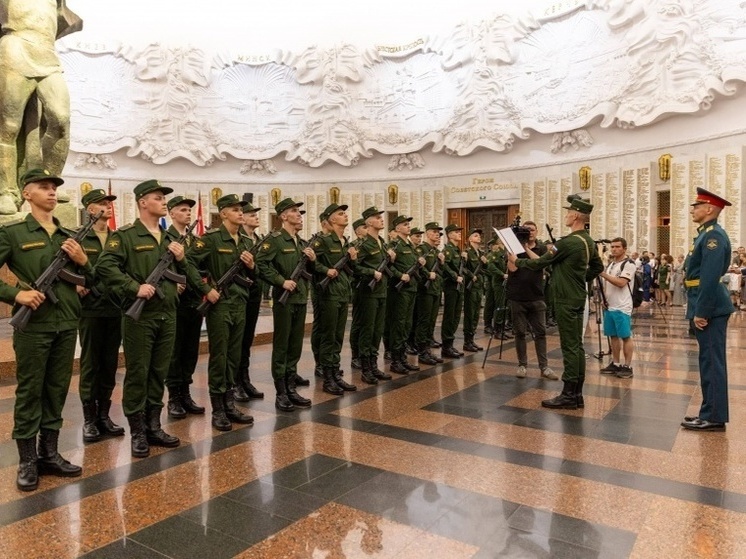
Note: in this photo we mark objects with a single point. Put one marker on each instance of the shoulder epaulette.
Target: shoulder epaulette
(710, 228)
(213, 230)
(13, 223)
(275, 233)
(125, 227)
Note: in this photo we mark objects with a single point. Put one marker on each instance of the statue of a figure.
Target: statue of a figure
(34, 100)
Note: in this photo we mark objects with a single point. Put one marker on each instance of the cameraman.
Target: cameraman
(618, 279)
(525, 294)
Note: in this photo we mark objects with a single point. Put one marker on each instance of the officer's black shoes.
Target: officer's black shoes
(253, 393)
(367, 376)
(318, 371)
(330, 385)
(175, 408)
(356, 363)
(233, 413)
(697, 424)
(471, 346)
(300, 381)
(566, 400)
(409, 365)
(139, 443)
(218, 419)
(426, 358)
(282, 402)
(342, 383)
(398, 367)
(239, 393)
(450, 352)
(378, 373)
(295, 398)
(91, 434)
(50, 462)
(28, 473)
(154, 434)
(189, 405)
(105, 425)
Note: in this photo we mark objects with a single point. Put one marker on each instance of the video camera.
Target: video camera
(522, 233)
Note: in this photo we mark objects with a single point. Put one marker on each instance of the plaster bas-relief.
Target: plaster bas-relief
(489, 84)
(263, 167)
(94, 161)
(406, 161)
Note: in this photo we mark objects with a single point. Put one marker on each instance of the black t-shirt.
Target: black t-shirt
(527, 285)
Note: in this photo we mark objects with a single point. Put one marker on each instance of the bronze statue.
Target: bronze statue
(34, 100)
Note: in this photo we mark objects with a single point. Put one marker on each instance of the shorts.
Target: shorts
(617, 324)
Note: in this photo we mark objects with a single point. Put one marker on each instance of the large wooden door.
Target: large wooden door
(487, 218)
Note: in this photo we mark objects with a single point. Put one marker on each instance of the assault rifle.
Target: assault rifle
(299, 271)
(412, 271)
(160, 272)
(342, 264)
(383, 267)
(55, 271)
(477, 271)
(435, 268)
(549, 232)
(460, 286)
(232, 275)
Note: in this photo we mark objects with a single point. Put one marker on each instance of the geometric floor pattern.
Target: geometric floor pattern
(456, 460)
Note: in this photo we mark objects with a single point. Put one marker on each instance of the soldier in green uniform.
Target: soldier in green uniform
(489, 292)
(429, 289)
(131, 253)
(317, 324)
(333, 301)
(453, 285)
(188, 323)
(393, 241)
(361, 231)
(100, 331)
(276, 260)
(245, 390)
(575, 262)
(372, 254)
(415, 237)
(497, 271)
(709, 309)
(473, 290)
(45, 348)
(403, 298)
(216, 252)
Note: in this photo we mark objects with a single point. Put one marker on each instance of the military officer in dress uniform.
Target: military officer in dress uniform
(333, 300)
(278, 256)
(100, 330)
(360, 233)
(45, 348)
(575, 262)
(429, 289)
(709, 308)
(473, 290)
(131, 253)
(372, 254)
(453, 286)
(216, 252)
(188, 323)
(317, 324)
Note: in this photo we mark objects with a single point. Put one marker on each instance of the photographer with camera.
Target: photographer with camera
(525, 294)
(618, 280)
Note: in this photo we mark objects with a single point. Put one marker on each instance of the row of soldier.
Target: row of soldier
(218, 275)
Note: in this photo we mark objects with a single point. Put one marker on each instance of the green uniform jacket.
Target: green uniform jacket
(452, 263)
(28, 250)
(709, 260)
(277, 258)
(329, 250)
(190, 297)
(430, 254)
(496, 267)
(371, 252)
(107, 304)
(572, 267)
(405, 258)
(255, 291)
(474, 267)
(215, 252)
(130, 255)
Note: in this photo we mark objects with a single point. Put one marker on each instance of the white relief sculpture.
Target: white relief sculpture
(562, 141)
(255, 166)
(408, 161)
(92, 160)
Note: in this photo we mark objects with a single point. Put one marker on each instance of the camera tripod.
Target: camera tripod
(599, 304)
(501, 307)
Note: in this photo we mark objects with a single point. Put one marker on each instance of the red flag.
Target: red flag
(200, 222)
(112, 223)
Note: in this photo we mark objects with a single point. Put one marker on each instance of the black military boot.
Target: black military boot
(330, 384)
(424, 355)
(367, 375)
(239, 393)
(91, 434)
(189, 405)
(356, 362)
(175, 408)
(566, 400)
(155, 434)
(397, 363)
(408, 365)
(300, 381)
(579, 393)
(219, 419)
(342, 383)
(233, 413)
(251, 390)
(449, 351)
(140, 446)
(378, 373)
(50, 461)
(105, 425)
(293, 395)
(28, 472)
(282, 402)
(318, 370)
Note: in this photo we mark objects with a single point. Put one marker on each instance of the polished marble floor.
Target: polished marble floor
(454, 461)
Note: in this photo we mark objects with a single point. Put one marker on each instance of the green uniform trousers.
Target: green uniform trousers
(334, 318)
(472, 306)
(500, 311)
(427, 306)
(287, 340)
(371, 328)
(225, 323)
(570, 326)
(186, 346)
(249, 331)
(357, 319)
(453, 303)
(390, 311)
(489, 304)
(315, 326)
(401, 321)
(44, 366)
(100, 338)
(148, 346)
